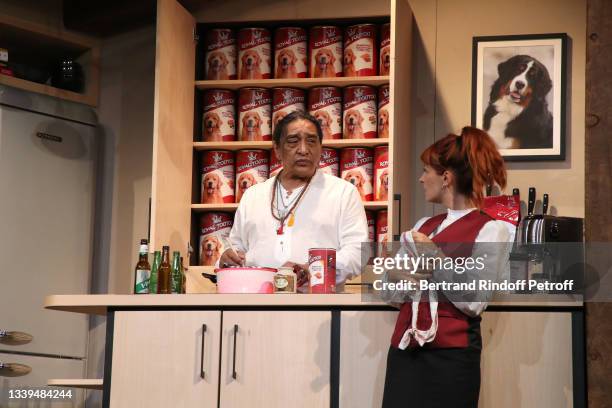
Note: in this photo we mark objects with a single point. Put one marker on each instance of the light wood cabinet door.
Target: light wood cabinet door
(157, 359)
(275, 359)
(172, 126)
(365, 337)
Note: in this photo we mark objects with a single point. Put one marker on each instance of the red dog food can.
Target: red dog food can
(371, 217)
(359, 116)
(322, 268)
(251, 168)
(325, 104)
(217, 184)
(290, 52)
(254, 53)
(356, 167)
(383, 111)
(275, 164)
(218, 120)
(360, 54)
(330, 162)
(212, 226)
(325, 45)
(254, 111)
(285, 101)
(385, 50)
(381, 173)
(220, 54)
(381, 226)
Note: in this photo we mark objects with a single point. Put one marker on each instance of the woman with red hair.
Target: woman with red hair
(434, 358)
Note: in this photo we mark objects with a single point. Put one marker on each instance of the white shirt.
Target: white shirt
(329, 215)
(496, 268)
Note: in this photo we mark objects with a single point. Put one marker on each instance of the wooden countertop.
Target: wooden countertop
(98, 304)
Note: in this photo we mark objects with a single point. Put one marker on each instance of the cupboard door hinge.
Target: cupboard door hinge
(196, 37)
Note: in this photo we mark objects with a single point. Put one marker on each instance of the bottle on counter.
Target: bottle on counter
(176, 272)
(154, 272)
(164, 275)
(143, 269)
(183, 278)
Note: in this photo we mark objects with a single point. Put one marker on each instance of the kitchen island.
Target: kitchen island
(289, 350)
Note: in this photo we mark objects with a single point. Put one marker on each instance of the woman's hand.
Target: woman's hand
(231, 258)
(425, 246)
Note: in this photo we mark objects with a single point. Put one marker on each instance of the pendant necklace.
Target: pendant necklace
(287, 214)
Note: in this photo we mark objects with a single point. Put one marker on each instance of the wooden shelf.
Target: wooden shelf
(336, 143)
(45, 90)
(303, 83)
(92, 384)
(369, 205)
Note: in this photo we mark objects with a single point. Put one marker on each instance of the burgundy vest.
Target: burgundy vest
(455, 329)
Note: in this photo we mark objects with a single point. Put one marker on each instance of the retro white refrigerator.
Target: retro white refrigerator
(47, 196)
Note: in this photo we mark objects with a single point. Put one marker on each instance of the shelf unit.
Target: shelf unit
(175, 191)
(38, 46)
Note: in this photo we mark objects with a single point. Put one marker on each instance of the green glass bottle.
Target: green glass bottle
(154, 271)
(176, 272)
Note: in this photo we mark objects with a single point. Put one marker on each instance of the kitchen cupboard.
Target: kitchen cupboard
(175, 207)
(271, 359)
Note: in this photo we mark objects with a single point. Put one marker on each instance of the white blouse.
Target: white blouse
(496, 264)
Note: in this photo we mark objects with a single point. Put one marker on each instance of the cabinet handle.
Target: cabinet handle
(398, 198)
(234, 374)
(202, 373)
(14, 338)
(14, 369)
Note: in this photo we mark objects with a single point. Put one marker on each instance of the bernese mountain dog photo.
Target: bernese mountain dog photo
(517, 115)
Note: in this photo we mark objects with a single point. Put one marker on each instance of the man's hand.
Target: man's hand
(301, 270)
(231, 258)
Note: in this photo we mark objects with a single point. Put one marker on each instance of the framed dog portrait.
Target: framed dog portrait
(518, 94)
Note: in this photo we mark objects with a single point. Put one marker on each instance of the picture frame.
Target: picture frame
(518, 94)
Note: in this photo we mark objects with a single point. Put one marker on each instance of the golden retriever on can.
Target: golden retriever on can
(217, 66)
(385, 61)
(251, 127)
(212, 127)
(355, 177)
(383, 123)
(278, 116)
(324, 60)
(383, 186)
(285, 64)
(326, 121)
(210, 251)
(250, 62)
(211, 189)
(352, 124)
(245, 180)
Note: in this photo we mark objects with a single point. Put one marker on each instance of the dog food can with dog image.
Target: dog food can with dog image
(285, 101)
(330, 162)
(218, 121)
(275, 164)
(290, 52)
(325, 104)
(356, 165)
(212, 226)
(359, 119)
(383, 111)
(360, 50)
(381, 230)
(252, 167)
(220, 54)
(254, 114)
(217, 184)
(322, 269)
(371, 217)
(254, 53)
(325, 51)
(385, 50)
(381, 173)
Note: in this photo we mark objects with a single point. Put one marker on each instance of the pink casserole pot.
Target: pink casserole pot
(245, 280)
